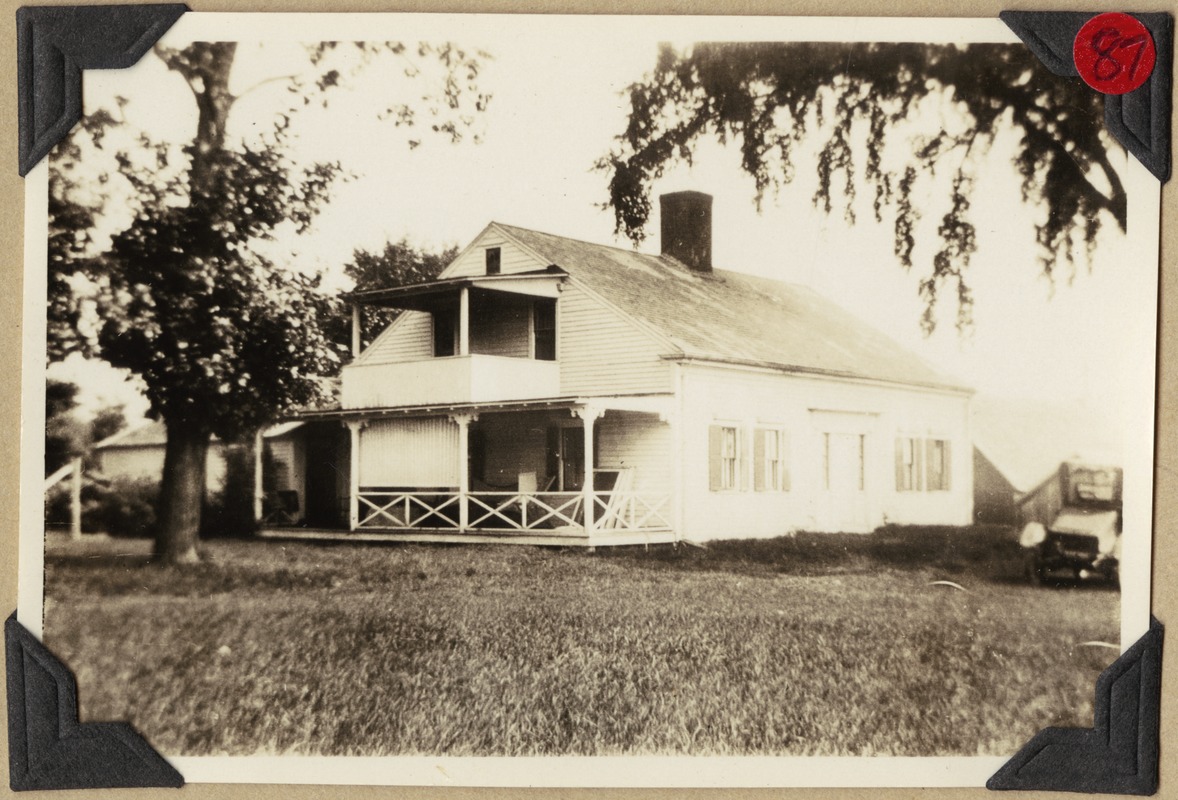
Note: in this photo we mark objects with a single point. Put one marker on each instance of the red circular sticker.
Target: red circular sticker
(1114, 53)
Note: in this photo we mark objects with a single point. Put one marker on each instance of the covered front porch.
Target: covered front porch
(565, 471)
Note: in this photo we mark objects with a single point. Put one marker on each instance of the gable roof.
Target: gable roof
(733, 317)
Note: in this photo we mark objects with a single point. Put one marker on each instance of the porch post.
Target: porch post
(354, 428)
(259, 463)
(356, 330)
(463, 422)
(464, 321)
(588, 415)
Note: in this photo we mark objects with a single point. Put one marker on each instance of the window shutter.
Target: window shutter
(918, 482)
(784, 455)
(900, 465)
(715, 442)
(759, 459)
(742, 459)
(945, 484)
(930, 449)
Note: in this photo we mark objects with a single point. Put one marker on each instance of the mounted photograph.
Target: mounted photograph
(479, 393)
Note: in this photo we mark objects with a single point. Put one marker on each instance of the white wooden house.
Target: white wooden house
(549, 390)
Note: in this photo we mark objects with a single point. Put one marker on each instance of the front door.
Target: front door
(566, 458)
(844, 480)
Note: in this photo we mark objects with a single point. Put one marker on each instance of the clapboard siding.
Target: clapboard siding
(638, 441)
(816, 413)
(500, 326)
(409, 338)
(601, 352)
(512, 258)
(409, 453)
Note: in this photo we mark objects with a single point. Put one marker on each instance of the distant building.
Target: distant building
(137, 453)
(1020, 447)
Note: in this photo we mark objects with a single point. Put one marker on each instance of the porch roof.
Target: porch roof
(425, 296)
(649, 403)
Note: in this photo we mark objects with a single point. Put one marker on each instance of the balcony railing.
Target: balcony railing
(454, 379)
(518, 512)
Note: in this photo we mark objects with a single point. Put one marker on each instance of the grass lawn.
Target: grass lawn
(814, 645)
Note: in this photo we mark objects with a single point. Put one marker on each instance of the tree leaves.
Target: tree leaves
(770, 98)
(399, 264)
(224, 339)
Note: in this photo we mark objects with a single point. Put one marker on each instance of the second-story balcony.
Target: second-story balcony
(463, 340)
(455, 379)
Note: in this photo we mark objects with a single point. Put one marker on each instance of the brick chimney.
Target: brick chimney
(686, 228)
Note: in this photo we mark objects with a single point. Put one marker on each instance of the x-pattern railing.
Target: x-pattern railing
(521, 511)
(632, 511)
(408, 510)
(555, 508)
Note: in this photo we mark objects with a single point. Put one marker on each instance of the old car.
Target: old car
(1072, 523)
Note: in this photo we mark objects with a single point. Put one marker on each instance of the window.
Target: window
(494, 255)
(728, 456)
(770, 460)
(724, 458)
(938, 465)
(1094, 484)
(544, 329)
(907, 465)
(445, 332)
(922, 465)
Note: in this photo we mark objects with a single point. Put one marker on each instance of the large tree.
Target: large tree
(223, 338)
(941, 106)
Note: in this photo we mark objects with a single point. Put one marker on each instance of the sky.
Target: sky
(558, 102)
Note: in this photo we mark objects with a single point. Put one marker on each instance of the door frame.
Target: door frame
(864, 508)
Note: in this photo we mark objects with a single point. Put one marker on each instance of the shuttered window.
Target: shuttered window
(909, 465)
(770, 460)
(938, 465)
(923, 465)
(724, 458)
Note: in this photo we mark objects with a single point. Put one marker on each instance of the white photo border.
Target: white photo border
(1141, 251)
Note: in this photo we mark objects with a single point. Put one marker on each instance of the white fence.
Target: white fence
(519, 512)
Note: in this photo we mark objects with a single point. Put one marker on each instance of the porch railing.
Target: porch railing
(514, 511)
(407, 510)
(632, 511)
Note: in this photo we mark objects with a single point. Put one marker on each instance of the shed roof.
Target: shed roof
(733, 317)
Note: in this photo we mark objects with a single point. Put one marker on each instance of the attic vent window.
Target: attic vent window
(493, 254)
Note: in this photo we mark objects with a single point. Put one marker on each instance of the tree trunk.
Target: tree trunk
(182, 493)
